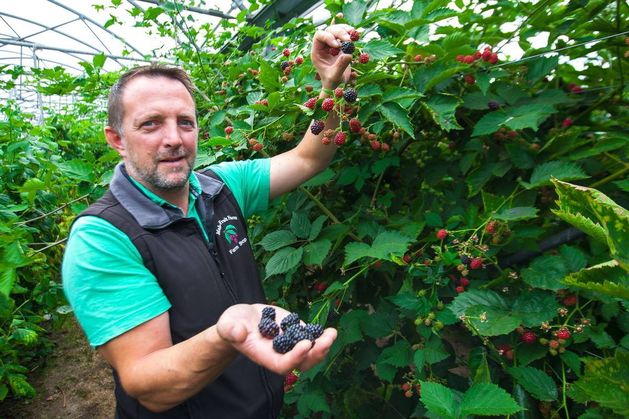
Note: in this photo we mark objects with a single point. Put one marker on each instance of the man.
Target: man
(159, 271)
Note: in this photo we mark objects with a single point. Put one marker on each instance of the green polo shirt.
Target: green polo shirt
(104, 279)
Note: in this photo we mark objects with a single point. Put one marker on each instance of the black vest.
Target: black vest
(200, 279)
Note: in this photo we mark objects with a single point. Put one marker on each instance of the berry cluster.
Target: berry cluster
(292, 330)
(486, 55)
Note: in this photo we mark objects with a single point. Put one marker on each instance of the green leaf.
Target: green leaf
(20, 386)
(269, 77)
(545, 272)
(561, 170)
(474, 297)
(395, 114)
(517, 214)
(7, 279)
(4, 390)
(320, 179)
(316, 227)
(277, 239)
(399, 355)
(25, 336)
(313, 401)
(6, 306)
(490, 321)
(606, 278)
(354, 11)
(438, 399)
(380, 48)
(535, 307)
(605, 381)
(99, 60)
(443, 110)
(528, 116)
(283, 261)
(77, 169)
(350, 325)
(487, 399)
(572, 361)
(574, 257)
(540, 67)
(316, 252)
(300, 224)
(536, 382)
(385, 245)
(489, 123)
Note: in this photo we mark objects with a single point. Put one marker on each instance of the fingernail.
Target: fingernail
(337, 43)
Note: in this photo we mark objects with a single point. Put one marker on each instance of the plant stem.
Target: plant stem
(326, 211)
(610, 177)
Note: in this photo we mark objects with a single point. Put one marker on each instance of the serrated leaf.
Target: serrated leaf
(489, 123)
(320, 179)
(442, 108)
(535, 307)
(605, 381)
(606, 278)
(438, 399)
(395, 114)
(300, 224)
(584, 224)
(354, 11)
(316, 252)
(540, 67)
(572, 361)
(355, 251)
(475, 297)
(277, 239)
(6, 306)
(528, 116)
(536, 382)
(545, 272)
(313, 401)
(7, 279)
(269, 77)
(491, 321)
(562, 170)
(384, 245)
(517, 214)
(283, 261)
(487, 399)
(316, 227)
(380, 48)
(350, 325)
(399, 355)
(574, 257)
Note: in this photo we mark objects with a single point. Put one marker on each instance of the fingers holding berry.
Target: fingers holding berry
(333, 66)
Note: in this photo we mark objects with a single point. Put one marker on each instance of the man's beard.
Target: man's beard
(158, 178)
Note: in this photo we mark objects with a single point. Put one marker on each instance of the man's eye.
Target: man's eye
(187, 122)
(148, 124)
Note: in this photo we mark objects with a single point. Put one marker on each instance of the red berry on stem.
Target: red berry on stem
(338, 92)
(327, 104)
(384, 147)
(469, 79)
(375, 145)
(363, 58)
(299, 60)
(339, 138)
(570, 300)
(476, 263)
(286, 52)
(563, 334)
(460, 289)
(257, 147)
(442, 234)
(529, 337)
(334, 51)
(229, 130)
(566, 123)
(310, 103)
(418, 58)
(464, 282)
(354, 35)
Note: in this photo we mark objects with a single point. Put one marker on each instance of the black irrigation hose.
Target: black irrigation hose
(552, 242)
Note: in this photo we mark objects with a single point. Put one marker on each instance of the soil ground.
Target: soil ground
(74, 383)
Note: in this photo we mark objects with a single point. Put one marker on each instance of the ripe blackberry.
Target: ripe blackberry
(284, 64)
(493, 105)
(465, 259)
(314, 330)
(268, 312)
(282, 344)
(268, 328)
(350, 95)
(347, 47)
(296, 333)
(290, 320)
(317, 126)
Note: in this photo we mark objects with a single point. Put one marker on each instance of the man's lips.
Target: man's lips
(172, 159)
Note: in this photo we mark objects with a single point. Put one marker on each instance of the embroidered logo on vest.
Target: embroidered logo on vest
(230, 233)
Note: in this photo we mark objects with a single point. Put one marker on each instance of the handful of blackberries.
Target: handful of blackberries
(292, 330)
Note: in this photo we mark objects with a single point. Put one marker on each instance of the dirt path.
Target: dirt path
(75, 383)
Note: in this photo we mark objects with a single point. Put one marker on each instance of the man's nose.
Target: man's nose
(172, 136)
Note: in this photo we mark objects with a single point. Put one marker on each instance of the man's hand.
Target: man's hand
(333, 69)
(239, 326)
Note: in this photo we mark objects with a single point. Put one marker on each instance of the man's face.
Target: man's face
(159, 132)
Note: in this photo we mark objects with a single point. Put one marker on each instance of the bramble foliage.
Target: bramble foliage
(434, 242)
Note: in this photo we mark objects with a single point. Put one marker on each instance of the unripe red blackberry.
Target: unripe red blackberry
(476, 263)
(229, 130)
(442, 234)
(460, 289)
(334, 51)
(469, 79)
(338, 92)
(348, 47)
(563, 334)
(257, 147)
(299, 60)
(286, 52)
(311, 103)
(339, 138)
(384, 147)
(363, 58)
(354, 125)
(350, 95)
(317, 127)
(375, 145)
(464, 282)
(354, 35)
(529, 337)
(327, 104)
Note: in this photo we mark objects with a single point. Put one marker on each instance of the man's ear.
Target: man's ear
(115, 140)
